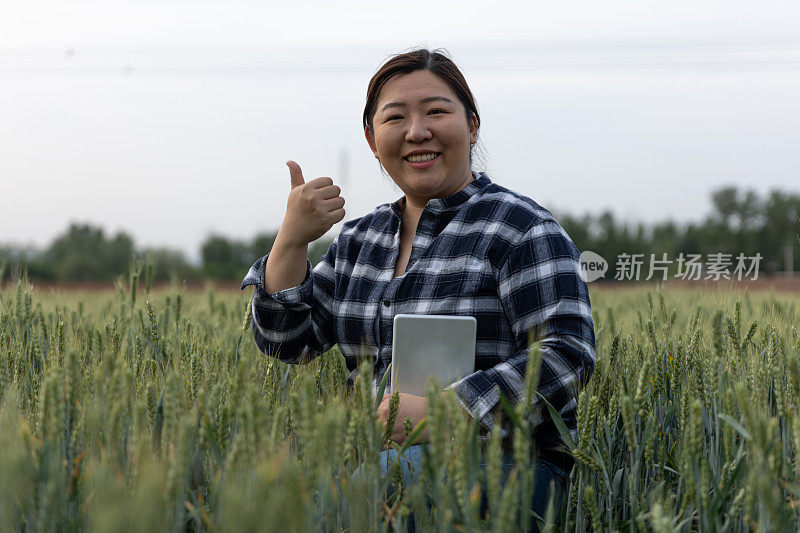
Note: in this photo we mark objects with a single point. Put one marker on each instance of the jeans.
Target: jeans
(547, 477)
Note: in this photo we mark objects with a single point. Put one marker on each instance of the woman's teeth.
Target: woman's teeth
(421, 158)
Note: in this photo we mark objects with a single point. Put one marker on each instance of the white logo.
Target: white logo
(592, 266)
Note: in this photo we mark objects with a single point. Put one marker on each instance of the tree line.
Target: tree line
(85, 252)
(741, 221)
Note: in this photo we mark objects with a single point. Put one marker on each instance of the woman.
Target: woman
(456, 243)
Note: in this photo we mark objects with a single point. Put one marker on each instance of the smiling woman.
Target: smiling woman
(421, 125)
(456, 244)
(422, 136)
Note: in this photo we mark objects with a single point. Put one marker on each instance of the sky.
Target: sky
(172, 120)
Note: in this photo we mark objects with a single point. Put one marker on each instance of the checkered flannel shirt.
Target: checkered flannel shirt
(485, 252)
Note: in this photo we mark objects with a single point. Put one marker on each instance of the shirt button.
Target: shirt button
(386, 303)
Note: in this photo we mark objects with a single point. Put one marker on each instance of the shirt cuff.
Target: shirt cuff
(296, 298)
(477, 400)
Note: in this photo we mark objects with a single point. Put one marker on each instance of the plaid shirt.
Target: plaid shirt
(485, 252)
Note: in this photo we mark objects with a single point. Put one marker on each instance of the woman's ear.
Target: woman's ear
(473, 129)
(370, 140)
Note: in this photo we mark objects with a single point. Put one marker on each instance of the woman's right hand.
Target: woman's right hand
(312, 209)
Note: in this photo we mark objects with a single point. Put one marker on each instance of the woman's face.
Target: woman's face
(418, 116)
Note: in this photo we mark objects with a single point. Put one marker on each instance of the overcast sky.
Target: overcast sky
(172, 120)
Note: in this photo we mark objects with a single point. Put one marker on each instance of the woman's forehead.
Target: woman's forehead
(415, 87)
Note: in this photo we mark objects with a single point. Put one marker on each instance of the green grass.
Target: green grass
(161, 414)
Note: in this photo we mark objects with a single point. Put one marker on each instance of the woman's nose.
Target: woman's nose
(417, 130)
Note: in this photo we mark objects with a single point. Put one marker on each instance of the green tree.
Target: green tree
(225, 258)
(168, 264)
(83, 253)
(779, 231)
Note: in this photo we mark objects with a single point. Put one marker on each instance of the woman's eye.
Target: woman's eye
(393, 117)
(436, 111)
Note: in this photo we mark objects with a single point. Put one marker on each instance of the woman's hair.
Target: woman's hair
(420, 59)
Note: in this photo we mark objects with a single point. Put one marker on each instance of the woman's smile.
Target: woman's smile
(422, 159)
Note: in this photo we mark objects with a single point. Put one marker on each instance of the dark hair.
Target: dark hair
(420, 59)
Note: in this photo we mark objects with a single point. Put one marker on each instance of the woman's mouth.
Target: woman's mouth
(422, 161)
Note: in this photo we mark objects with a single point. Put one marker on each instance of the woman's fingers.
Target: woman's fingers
(337, 215)
(382, 412)
(329, 191)
(321, 182)
(313, 207)
(383, 408)
(295, 174)
(333, 204)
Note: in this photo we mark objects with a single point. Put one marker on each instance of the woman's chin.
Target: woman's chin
(428, 190)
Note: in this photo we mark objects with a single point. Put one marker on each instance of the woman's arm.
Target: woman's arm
(545, 300)
(295, 324)
(292, 306)
(286, 266)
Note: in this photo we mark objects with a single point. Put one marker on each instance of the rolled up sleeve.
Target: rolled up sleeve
(295, 324)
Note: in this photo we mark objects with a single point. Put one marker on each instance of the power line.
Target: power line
(776, 52)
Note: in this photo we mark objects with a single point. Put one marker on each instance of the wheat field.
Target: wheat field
(132, 410)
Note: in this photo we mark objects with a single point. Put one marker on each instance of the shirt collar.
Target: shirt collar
(454, 200)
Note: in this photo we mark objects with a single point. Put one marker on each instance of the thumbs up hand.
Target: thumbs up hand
(312, 209)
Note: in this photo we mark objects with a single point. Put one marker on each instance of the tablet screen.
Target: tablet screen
(431, 345)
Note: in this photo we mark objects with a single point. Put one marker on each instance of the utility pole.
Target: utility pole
(343, 180)
(344, 167)
(788, 249)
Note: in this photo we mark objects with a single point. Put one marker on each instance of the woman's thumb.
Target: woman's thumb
(295, 174)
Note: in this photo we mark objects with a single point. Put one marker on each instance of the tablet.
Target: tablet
(431, 345)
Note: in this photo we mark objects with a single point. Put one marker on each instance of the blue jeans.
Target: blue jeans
(547, 477)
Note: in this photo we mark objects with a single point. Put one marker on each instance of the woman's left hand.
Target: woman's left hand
(411, 406)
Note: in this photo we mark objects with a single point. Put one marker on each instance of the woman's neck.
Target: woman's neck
(413, 206)
(411, 214)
